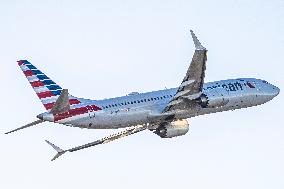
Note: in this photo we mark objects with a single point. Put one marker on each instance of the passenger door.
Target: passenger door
(91, 112)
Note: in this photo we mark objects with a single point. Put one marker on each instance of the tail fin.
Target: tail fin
(46, 89)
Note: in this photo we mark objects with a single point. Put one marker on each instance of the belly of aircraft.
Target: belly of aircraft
(120, 119)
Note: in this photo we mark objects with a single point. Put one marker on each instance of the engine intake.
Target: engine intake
(173, 129)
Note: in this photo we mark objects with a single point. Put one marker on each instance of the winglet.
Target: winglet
(59, 150)
(197, 44)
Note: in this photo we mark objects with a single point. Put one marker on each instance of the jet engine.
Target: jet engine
(213, 98)
(173, 129)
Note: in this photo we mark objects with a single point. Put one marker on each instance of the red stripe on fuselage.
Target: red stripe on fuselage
(45, 94)
(76, 111)
(95, 108)
(70, 113)
(74, 101)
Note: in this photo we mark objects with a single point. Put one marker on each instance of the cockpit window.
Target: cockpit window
(263, 81)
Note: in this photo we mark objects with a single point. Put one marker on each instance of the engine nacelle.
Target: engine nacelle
(173, 129)
(213, 98)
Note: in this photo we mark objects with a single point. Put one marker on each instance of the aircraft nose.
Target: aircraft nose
(274, 90)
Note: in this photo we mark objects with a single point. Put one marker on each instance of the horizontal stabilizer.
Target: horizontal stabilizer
(26, 126)
(59, 150)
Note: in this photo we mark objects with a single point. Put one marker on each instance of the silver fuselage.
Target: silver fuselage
(144, 108)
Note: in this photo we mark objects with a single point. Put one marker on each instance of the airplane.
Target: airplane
(165, 112)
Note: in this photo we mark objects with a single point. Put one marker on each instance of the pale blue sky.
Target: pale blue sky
(100, 49)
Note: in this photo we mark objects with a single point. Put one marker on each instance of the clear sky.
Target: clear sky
(100, 49)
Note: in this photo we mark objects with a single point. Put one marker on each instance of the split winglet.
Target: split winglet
(59, 150)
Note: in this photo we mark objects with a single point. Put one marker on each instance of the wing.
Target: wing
(191, 86)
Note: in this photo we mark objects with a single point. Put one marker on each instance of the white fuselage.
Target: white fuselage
(147, 107)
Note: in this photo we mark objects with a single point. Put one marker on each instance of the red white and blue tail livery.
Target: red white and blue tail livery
(165, 112)
(46, 89)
